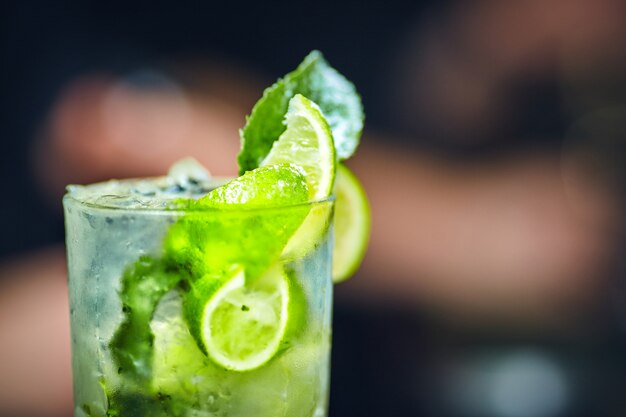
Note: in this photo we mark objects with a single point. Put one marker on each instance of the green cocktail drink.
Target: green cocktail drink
(193, 296)
(134, 354)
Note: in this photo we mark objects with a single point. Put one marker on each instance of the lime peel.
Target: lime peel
(317, 80)
(308, 143)
(239, 327)
(352, 224)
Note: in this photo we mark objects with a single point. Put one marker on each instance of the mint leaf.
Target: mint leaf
(143, 285)
(318, 81)
(123, 403)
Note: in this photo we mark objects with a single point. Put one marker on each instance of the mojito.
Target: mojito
(199, 296)
(134, 276)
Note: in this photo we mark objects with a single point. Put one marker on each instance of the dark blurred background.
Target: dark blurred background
(493, 155)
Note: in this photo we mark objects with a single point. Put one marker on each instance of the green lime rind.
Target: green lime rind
(351, 217)
(352, 224)
(311, 233)
(242, 325)
(315, 79)
(195, 299)
(297, 311)
(210, 238)
(307, 142)
(277, 185)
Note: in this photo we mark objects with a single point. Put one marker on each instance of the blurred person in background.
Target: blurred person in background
(492, 157)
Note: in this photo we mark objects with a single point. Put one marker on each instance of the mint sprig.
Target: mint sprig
(143, 284)
(318, 81)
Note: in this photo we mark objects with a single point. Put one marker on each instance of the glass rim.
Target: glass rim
(173, 209)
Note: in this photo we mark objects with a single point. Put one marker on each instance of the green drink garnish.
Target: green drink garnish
(229, 227)
(231, 315)
(320, 83)
(308, 143)
(242, 326)
(143, 285)
(352, 224)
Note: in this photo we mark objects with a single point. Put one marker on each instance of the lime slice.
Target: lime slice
(307, 143)
(242, 326)
(352, 224)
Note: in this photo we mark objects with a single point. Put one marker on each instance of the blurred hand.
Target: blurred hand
(102, 128)
(499, 241)
(34, 324)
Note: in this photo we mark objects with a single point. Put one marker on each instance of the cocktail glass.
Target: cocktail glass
(154, 366)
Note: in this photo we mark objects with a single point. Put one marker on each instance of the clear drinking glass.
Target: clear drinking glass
(132, 351)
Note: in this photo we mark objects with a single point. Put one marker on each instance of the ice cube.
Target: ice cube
(187, 173)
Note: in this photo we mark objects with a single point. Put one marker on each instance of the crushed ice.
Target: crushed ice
(187, 178)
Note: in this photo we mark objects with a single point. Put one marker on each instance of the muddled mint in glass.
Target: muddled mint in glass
(200, 297)
(132, 262)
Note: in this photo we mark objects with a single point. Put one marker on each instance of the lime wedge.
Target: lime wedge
(307, 143)
(242, 325)
(224, 228)
(318, 81)
(352, 224)
(278, 185)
